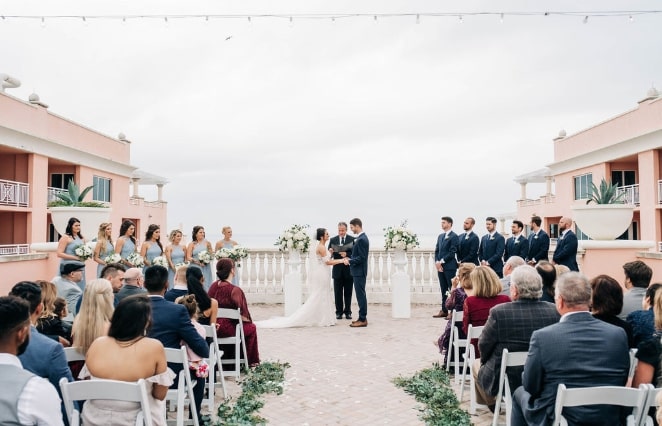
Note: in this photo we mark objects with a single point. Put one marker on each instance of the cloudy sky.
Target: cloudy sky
(263, 123)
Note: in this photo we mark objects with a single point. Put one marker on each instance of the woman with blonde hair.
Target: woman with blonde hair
(175, 254)
(486, 289)
(228, 243)
(460, 290)
(93, 319)
(104, 246)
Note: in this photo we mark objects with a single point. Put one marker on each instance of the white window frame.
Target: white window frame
(101, 190)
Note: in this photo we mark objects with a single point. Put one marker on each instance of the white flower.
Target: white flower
(136, 260)
(204, 257)
(222, 253)
(83, 252)
(294, 238)
(112, 258)
(161, 261)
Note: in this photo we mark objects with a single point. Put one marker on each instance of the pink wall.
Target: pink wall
(610, 262)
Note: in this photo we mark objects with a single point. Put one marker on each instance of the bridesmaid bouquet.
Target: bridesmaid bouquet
(83, 252)
(223, 253)
(136, 260)
(161, 261)
(400, 237)
(204, 257)
(294, 238)
(112, 258)
(239, 253)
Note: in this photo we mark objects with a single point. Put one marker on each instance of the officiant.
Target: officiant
(341, 247)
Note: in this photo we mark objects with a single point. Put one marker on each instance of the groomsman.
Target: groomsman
(342, 277)
(445, 261)
(566, 246)
(467, 250)
(517, 245)
(538, 243)
(492, 246)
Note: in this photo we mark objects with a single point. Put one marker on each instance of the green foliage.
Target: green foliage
(432, 388)
(74, 197)
(606, 193)
(267, 377)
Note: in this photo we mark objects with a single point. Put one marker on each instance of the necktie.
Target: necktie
(342, 241)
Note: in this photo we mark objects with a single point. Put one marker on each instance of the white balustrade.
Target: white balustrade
(14, 193)
(631, 194)
(10, 249)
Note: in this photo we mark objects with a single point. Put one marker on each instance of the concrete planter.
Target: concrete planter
(90, 218)
(603, 221)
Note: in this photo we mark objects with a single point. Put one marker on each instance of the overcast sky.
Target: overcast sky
(266, 123)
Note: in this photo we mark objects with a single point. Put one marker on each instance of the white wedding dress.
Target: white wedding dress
(318, 311)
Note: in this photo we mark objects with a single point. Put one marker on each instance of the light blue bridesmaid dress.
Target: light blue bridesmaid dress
(235, 279)
(128, 248)
(152, 251)
(177, 256)
(69, 249)
(206, 269)
(109, 249)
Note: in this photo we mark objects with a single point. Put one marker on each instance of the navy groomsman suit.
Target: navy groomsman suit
(516, 246)
(444, 253)
(566, 250)
(538, 246)
(467, 250)
(491, 251)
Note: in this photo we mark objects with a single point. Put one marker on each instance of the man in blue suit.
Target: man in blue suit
(578, 351)
(467, 249)
(517, 245)
(358, 267)
(171, 324)
(445, 261)
(492, 246)
(44, 356)
(538, 243)
(566, 246)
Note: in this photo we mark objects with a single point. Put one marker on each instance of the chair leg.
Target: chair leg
(467, 355)
(456, 363)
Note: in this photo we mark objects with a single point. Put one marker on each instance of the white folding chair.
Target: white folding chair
(238, 340)
(184, 386)
(454, 345)
(508, 359)
(609, 395)
(469, 358)
(115, 390)
(633, 363)
(72, 354)
(653, 392)
(215, 368)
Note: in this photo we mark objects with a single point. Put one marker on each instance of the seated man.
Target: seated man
(133, 279)
(637, 279)
(578, 351)
(71, 273)
(510, 326)
(511, 264)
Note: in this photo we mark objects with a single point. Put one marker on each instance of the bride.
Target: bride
(317, 311)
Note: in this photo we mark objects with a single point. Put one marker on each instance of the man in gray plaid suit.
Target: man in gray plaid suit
(510, 326)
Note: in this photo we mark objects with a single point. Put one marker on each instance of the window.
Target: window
(61, 180)
(101, 191)
(583, 185)
(623, 177)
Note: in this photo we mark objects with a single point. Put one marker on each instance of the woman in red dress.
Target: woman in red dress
(232, 297)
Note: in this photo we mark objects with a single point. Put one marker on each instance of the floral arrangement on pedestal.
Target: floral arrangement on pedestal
(112, 258)
(161, 261)
(400, 238)
(295, 238)
(83, 252)
(135, 260)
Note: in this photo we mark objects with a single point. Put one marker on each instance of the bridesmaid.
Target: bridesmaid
(175, 253)
(228, 243)
(104, 247)
(71, 239)
(199, 244)
(152, 247)
(126, 243)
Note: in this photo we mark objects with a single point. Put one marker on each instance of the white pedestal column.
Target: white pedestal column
(292, 284)
(401, 303)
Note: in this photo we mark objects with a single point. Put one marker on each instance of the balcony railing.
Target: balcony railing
(6, 250)
(139, 201)
(14, 193)
(529, 202)
(631, 194)
(52, 193)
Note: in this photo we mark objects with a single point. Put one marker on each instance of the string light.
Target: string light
(586, 19)
(43, 22)
(631, 19)
(418, 18)
(461, 19)
(501, 18)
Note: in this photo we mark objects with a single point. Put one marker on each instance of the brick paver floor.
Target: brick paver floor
(342, 376)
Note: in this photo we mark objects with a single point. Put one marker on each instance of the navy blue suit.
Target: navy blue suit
(566, 251)
(491, 250)
(516, 247)
(358, 267)
(538, 246)
(467, 250)
(445, 252)
(171, 324)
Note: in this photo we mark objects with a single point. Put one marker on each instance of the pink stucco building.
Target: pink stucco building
(39, 153)
(627, 150)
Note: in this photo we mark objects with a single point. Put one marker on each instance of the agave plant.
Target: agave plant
(74, 197)
(606, 193)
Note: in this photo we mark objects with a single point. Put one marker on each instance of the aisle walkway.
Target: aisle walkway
(342, 376)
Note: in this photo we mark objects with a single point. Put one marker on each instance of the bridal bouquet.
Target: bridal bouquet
(294, 238)
(161, 261)
(204, 257)
(112, 258)
(135, 260)
(400, 237)
(83, 252)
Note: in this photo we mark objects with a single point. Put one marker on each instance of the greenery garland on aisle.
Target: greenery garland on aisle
(432, 388)
(268, 377)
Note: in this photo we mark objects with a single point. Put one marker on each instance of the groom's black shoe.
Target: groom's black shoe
(338, 316)
(348, 316)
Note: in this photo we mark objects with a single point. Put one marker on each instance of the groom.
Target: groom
(358, 266)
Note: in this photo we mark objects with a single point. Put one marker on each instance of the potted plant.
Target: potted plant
(71, 204)
(605, 216)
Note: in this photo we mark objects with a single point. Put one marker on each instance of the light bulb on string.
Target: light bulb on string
(123, 20)
(631, 19)
(249, 20)
(501, 18)
(586, 19)
(333, 19)
(461, 19)
(375, 18)
(291, 24)
(418, 18)
(43, 22)
(84, 20)
(206, 19)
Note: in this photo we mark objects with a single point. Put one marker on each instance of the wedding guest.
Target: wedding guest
(181, 286)
(126, 243)
(48, 323)
(71, 273)
(649, 353)
(208, 306)
(643, 321)
(547, 272)
(232, 297)
(461, 289)
(133, 280)
(607, 302)
(60, 309)
(93, 319)
(175, 254)
(637, 279)
(195, 248)
(152, 246)
(196, 362)
(486, 289)
(561, 269)
(511, 264)
(128, 355)
(228, 243)
(104, 247)
(67, 245)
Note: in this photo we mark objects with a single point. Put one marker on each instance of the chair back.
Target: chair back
(238, 340)
(454, 344)
(72, 354)
(184, 384)
(652, 401)
(508, 359)
(105, 389)
(229, 313)
(215, 368)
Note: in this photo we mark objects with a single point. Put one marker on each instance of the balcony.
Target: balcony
(631, 193)
(14, 194)
(52, 193)
(12, 249)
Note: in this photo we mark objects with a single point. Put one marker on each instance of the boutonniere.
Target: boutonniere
(516, 241)
(466, 237)
(491, 238)
(535, 237)
(446, 237)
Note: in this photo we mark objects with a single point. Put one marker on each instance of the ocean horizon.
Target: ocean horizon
(261, 241)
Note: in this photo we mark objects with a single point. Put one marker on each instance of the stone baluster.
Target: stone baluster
(418, 262)
(278, 257)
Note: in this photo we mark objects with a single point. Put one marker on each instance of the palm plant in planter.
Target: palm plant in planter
(606, 215)
(74, 197)
(71, 204)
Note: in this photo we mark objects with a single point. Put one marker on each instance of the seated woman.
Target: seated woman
(486, 289)
(49, 323)
(126, 354)
(229, 296)
(208, 307)
(643, 321)
(461, 289)
(607, 303)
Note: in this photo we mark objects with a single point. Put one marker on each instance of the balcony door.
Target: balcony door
(623, 177)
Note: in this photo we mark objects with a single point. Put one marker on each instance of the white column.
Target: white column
(548, 185)
(292, 284)
(135, 188)
(522, 187)
(159, 188)
(401, 295)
